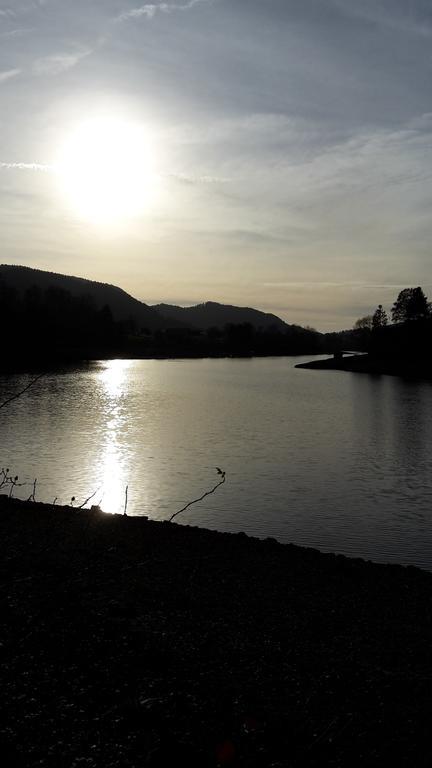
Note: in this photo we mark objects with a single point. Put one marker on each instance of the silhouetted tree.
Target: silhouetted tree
(363, 323)
(239, 338)
(104, 325)
(379, 318)
(411, 304)
(10, 307)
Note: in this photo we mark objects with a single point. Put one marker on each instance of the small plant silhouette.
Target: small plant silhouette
(222, 474)
(32, 496)
(21, 392)
(9, 481)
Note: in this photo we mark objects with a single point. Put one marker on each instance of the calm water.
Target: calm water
(332, 460)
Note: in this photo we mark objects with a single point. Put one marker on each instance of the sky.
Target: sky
(287, 148)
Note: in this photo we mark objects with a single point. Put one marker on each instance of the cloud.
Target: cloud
(185, 178)
(58, 63)
(8, 74)
(401, 19)
(149, 10)
(25, 167)
(13, 33)
(311, 285)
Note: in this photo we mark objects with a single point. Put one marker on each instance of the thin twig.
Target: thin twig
(208, 493)
(8, 480)
(18, 394)
(32, 496)
(87, 500)
(126, 500)
(13, 484)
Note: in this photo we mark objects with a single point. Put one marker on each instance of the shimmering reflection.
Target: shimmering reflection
(114, 378)
(115, 454)
(320, 458)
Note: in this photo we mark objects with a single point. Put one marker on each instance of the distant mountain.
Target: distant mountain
(52, 319)
(211, 314)
(157, 317)
(123, 306)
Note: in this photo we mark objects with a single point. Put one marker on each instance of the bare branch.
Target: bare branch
(13, 481)
(208, 493)
(87, 500)
(6, 479)
(126, 500)
(18, 394)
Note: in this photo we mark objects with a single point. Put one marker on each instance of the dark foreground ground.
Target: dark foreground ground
(133, 643)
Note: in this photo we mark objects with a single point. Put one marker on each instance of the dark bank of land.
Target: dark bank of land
(401, 349)
(127, 642)
(50, 319)
(409, 368)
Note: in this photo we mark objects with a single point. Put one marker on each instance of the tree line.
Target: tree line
(44, 326)
(52, 325)
(411, 304)
(406, 335)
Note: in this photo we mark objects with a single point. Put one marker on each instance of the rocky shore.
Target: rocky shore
(127, 642)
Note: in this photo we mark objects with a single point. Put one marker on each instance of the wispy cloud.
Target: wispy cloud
(311, 285)
(180, 177)
(26, 167)
(13, 33)
(8, 74)
(58, 63)
(185, 178)
(149, 10)
(373, 13)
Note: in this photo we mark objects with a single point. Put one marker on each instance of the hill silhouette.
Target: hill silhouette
(214, 315)
(50, 318)
(123, 306)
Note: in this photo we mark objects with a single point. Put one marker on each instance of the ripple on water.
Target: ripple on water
(324, 459)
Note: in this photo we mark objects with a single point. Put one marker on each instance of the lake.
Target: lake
(326, 459)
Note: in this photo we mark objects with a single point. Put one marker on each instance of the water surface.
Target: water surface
(327, 459)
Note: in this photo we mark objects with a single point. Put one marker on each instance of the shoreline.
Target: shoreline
(355, 363)
(363, 363)
(132, 642)
(53, 366)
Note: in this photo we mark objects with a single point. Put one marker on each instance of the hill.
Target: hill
(49, 318)
(214, 315)
(122, 305)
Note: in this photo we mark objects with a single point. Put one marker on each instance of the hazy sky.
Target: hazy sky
(290, 144)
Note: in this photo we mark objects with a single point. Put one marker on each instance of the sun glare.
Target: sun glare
(106, 171)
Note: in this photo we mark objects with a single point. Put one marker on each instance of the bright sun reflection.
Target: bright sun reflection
(114, 377)
(106, 170)
(115, 456)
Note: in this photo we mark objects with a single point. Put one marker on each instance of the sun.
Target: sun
(106, 170)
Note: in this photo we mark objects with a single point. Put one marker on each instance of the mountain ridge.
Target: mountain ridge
(121, 303)
(214, 314)
(152, 317)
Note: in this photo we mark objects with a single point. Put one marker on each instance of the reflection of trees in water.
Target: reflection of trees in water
(401, 424)
(412, 406)
(394, 416)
